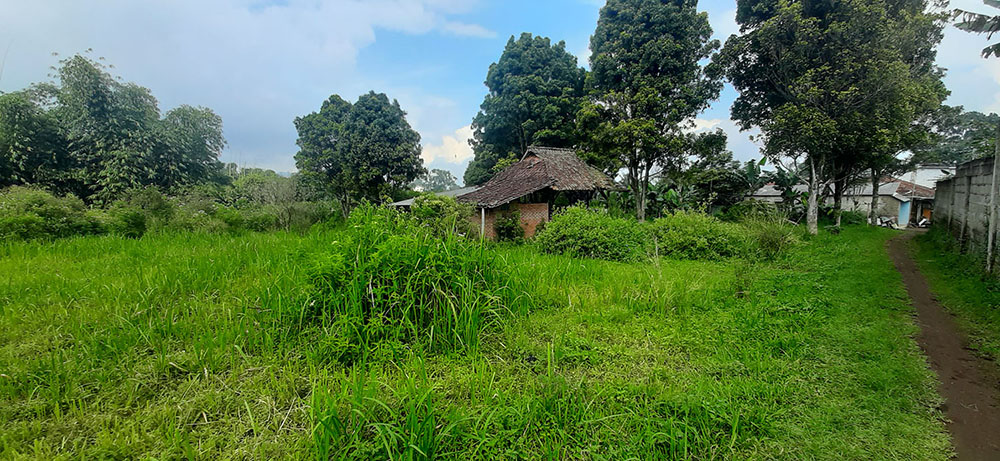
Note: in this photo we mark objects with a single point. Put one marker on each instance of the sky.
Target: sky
(259, 63)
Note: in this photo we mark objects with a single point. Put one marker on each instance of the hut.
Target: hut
(544, 178)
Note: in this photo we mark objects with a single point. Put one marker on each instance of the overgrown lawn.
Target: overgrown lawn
(175, 346)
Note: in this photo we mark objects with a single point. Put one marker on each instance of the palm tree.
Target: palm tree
(981, 24)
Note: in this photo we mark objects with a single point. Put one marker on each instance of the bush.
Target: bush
(443, 215)
(127, 222)
(581, 232)
(390, 284)
(750, 209)
(692, 235)
(508, 226)
(27, 214)
(770, 236)
(853, 218)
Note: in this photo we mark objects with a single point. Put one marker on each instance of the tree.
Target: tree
(32, 146)
(535, 90)
(435, 181)
(360, 151)
(97, 137)
(960, 136)
(647, 85)
(826, 80)
(982, 24)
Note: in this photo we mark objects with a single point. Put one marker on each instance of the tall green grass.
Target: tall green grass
(191, 346)
(964, 288)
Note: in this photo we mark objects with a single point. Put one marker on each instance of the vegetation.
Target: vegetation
(579, 232)
(535, 90)
(982, 24)
(835, 86)
(646, 86)
(95, 137)
(961, 285)
(361, 151)
(961, 136)
(210, 345)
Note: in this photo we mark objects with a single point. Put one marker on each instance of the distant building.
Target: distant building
(532, 186)
(928, 174)
(903, 200)
(406, 204)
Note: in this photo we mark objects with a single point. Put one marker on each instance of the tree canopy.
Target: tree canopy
(360, 151)
(960, 136)
(535, 90)
(97, 137)
(646, 85)
(835, 84)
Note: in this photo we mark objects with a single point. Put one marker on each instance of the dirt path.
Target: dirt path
(971, 398)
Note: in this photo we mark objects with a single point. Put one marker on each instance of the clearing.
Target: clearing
(167, 346)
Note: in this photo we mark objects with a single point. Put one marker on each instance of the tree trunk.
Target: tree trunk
(812, 211)
(838, 198)
(991, 238)
(873, 211)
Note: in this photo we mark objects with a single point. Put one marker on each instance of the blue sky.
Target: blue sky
(259, 64)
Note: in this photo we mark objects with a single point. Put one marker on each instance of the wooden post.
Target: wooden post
(991, 238)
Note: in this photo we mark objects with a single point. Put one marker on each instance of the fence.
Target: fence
(966, 204)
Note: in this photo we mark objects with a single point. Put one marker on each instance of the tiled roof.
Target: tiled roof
(541, 167)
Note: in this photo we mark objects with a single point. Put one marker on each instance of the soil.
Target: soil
(967, 382)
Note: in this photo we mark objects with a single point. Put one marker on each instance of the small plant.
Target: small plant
(443, 215)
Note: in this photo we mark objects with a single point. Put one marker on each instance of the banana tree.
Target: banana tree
(981, 24)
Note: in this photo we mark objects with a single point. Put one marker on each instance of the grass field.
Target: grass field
(962, 286)
(169, 346)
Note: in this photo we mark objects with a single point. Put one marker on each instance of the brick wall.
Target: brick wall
(962, 204)
(532, 214)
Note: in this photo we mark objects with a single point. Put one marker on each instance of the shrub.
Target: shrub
(749, 209)
(693, 235)
(127, 222)
(771, 236)
(27, 214)
(853, 218)
(443, 215)
(581, 232)
(508, 226)
(389, 284)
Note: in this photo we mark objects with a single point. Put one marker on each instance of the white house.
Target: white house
(903, 200)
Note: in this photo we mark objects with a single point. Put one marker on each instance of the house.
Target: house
(903, 200)
(533, 185)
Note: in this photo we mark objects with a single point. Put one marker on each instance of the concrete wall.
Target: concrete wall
(962, 204)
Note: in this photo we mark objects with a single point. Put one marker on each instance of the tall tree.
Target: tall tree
(97, 136)
(435, 181)
(818, 77)
(960, 136)
(535, 90)
(646, 85)
(360, 151)
(32, 146)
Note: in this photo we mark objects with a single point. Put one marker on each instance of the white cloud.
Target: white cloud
(258, 64)
(453, 148)
(701, 125)
(468, 30)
